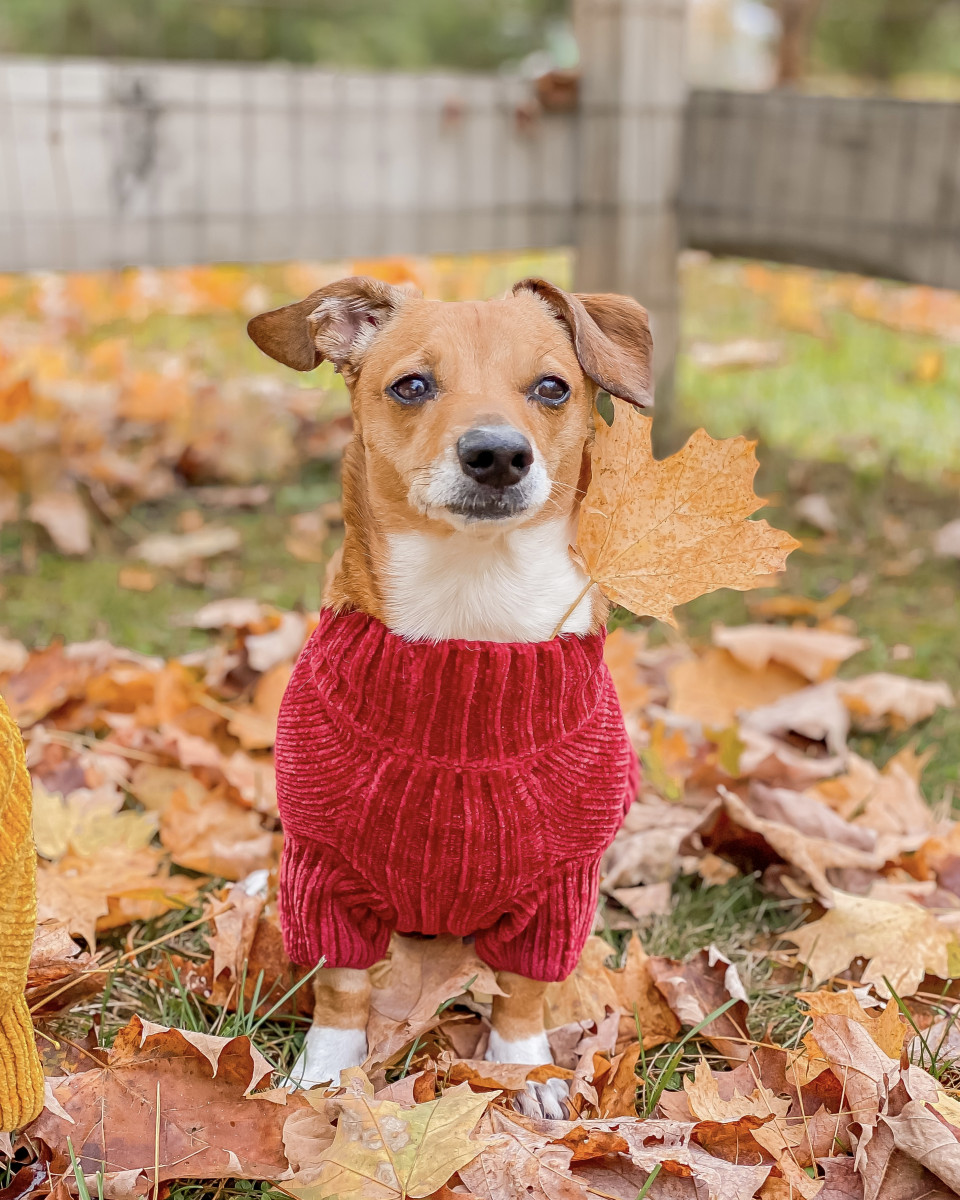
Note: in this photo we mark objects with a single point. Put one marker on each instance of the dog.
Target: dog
(445, 763)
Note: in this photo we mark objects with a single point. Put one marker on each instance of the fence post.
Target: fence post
(632, 101)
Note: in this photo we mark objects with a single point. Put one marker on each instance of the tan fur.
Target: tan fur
(518, 1014)
(485, 357)
(342, 997)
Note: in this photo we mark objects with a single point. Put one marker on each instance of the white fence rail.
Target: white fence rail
(105, 164)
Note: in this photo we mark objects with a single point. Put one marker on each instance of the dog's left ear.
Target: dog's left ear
(611, 337)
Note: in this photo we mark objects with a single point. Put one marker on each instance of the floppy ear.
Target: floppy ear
(336, 323)
(611, 337)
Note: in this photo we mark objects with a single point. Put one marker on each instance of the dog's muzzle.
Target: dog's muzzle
(495, 461)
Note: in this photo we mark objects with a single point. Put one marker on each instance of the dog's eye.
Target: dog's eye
(551, 390)
(412, 389)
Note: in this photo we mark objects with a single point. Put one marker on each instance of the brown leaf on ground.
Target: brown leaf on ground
(773, 1134)
(696, 988)
(382, 1151)
(594, 987)
(418, 976)
(815, 713)
(13, 656)
(65, 518)
(919, 1132)
(176, 550)
(517, 1161)
(654, 534)
(620, 652)
(714, 687)
(646, 848)
(878, 700)
(55, 961)
(193, 1087)
(118, 886)
(813, 653)
(901, 941)
(887, 802)
(53, 676)
(136, 579)
(886, 1026)
(216, 837)
(670, 1142)
(807, 835)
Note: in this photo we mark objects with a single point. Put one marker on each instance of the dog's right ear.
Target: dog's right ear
(337, 323)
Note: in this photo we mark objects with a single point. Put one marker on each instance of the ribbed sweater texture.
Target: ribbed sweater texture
(21, 1076)
(455, 787)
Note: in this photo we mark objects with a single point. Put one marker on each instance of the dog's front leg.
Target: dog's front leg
(337, 1039)
(518, 1034)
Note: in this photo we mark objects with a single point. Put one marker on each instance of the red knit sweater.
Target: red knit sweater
(456, 787)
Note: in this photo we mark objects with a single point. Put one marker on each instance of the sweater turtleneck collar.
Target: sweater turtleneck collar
(461, 702)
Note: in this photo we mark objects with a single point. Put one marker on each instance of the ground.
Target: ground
(858, 407)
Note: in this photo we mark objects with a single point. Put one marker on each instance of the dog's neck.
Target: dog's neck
(479, 584)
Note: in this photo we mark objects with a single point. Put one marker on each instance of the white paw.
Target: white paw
(326, 1052)
(533, 1050)
(545, 1100)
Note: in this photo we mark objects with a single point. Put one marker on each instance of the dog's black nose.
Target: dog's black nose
(495, 455)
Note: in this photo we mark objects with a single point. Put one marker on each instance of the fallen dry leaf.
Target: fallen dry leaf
(114, 888)
(881, 699)
(737, 355)
(698, 987)
(654, 534)
(901, 941)
(382, 1150)
(418, 977)
(64, 516)
(946, 541)
(192, 1088)
(86, 822)
(308, 533)
(594, 987)
(176, 550)
(814, 653)
(714, 687)
(216, 837)
(136, 579)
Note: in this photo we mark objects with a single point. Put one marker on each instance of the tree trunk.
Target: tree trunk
(797, 18)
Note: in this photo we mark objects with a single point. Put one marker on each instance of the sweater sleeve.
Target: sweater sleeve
(21, 1075)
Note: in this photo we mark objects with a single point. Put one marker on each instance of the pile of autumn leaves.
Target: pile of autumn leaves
(141, 766)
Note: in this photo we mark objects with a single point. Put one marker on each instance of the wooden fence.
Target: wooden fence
(104, 164)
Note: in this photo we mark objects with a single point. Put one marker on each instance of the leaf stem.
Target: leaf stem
(572, 609)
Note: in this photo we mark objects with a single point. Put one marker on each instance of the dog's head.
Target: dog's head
(469, 412)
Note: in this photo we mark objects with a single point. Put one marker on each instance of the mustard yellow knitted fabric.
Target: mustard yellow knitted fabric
(21, 1076)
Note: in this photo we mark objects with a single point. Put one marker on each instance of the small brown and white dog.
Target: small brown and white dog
(461, 488)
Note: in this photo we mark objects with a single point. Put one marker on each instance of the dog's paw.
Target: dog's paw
(326, 1052)
(533, 1050)
(545, 1100)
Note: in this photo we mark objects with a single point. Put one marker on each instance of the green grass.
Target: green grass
(850, 397)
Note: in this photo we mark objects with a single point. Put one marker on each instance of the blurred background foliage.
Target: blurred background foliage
(469, 34)
(874, 40)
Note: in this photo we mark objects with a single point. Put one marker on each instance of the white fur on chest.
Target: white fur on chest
(484, 585)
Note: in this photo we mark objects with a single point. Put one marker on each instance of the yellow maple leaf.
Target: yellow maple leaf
(903, 942)
(656, 534)
(382, 1150)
